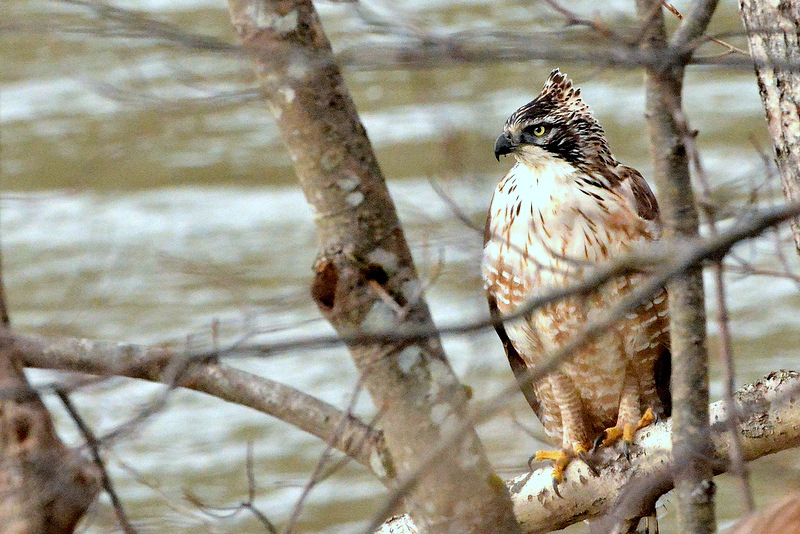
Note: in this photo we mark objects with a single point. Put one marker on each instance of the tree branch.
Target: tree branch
(354, 438)
(94, 447)
(693, 25)
(689, 383)
(408, 50)
(770, 422)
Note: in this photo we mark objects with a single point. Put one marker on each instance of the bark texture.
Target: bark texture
(770, 422)
(773, 34)
(691, 438)
(365, 279)
(44, 487)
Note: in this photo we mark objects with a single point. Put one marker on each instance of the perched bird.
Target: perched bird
(566, 207)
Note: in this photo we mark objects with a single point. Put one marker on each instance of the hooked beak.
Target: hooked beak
(503, 145)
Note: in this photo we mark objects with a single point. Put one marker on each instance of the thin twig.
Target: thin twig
(738, 466)
(750, 270)
(318, 474)
(94, 448)
(573, 19)
(659, 259)
(251, 493)
(730, 48)
(221, 512)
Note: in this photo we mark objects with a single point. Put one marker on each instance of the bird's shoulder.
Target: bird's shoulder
(631, 184)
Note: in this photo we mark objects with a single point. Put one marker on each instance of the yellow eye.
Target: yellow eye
(538, 131)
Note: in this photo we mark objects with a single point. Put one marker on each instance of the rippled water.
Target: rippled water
(126, 215)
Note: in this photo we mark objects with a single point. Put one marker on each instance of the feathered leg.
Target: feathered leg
(575, 436)
(630, 418)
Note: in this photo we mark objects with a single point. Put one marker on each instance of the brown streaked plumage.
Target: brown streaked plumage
(565, 207)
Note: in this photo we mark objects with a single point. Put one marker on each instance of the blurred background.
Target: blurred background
(146, 195)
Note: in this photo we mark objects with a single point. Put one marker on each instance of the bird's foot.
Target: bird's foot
(561, 459)
(626, 432)
(648, 418)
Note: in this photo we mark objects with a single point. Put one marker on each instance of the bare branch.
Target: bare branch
(738, 465)
(689, 382)
(318, 474)
(410, 48)
(361, 240)
(665, 259)
(132, 24)
(772, 30)
(573, 19)
(217, 512)
(694, 24)
(318, 418)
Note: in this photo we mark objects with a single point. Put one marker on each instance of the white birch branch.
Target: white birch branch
(770, 422)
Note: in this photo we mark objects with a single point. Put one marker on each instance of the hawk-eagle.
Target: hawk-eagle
(565, 207)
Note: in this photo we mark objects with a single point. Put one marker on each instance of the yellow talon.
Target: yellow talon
(561, 460)
(647, 419)
(625, 432)
(628, 432)
(612, 435)
(541, 456)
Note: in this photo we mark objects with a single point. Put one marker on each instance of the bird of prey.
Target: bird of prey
(565, 208)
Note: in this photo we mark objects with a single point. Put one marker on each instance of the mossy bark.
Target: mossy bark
(365, 279)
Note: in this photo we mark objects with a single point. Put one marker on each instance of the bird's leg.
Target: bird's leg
(629, 420)
(574, 437)
(624, 431)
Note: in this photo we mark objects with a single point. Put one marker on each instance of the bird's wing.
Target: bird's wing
(643, 199)
(518, 365)
(642, 196)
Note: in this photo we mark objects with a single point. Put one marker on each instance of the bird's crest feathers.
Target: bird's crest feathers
(559, 88)
(558, 94)
(581, 138)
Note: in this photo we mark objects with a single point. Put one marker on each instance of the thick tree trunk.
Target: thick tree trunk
(365, 279)
(773, 33)
(44, 487)
(691, 439)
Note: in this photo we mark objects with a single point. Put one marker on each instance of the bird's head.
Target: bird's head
(555, 124)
